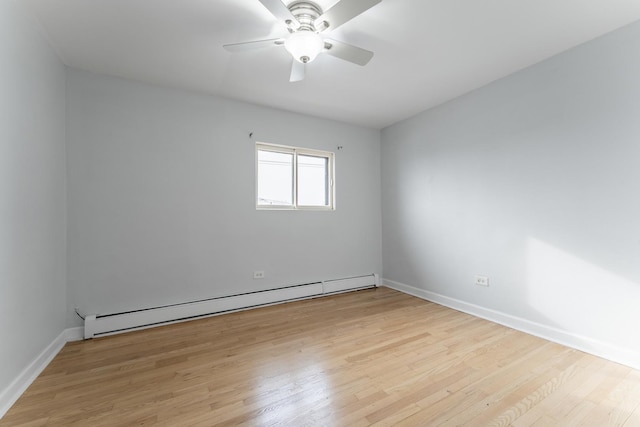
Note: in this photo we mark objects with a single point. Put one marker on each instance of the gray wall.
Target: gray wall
(533, 181)
(32, 192)
(161, 198)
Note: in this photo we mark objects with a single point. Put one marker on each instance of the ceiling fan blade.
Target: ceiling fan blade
(281, 12)
(297, 71)
(258, 44)
(347, 52)
(343, 11)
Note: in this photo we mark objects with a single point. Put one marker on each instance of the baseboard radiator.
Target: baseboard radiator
(109, 324)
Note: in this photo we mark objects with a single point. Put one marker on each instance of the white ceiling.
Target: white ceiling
(426, 51)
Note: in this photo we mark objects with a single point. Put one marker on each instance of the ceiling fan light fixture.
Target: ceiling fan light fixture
(304, 46)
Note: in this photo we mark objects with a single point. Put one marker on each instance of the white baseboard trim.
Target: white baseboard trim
(598, 348)
(12, 393)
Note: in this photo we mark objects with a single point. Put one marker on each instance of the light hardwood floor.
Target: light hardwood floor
(375, 357)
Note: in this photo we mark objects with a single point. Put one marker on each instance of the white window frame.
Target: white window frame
(263, 146)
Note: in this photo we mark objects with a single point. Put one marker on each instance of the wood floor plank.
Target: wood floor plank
(375, 357)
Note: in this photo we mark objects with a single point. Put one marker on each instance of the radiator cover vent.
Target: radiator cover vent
(109, 324)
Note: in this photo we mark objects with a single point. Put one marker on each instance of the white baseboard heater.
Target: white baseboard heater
(96, 325)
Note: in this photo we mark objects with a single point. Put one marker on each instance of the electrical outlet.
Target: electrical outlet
(482, 281)
(258, 274)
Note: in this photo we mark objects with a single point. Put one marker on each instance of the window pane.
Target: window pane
(275, 178)
(313, 181)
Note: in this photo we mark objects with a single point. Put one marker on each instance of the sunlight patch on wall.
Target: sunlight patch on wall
(581, 297)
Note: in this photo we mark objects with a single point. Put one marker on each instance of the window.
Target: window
(293, 178)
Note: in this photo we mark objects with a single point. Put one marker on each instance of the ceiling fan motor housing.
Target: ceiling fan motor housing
(306, 14)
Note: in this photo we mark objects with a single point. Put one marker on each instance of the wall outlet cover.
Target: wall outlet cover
(482, 281)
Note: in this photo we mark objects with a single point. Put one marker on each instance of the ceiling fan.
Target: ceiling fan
(306, 22)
